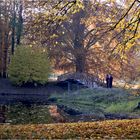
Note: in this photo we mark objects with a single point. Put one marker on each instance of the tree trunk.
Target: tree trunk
(80, 64)
(0, 53)
(5, 54)
(79, 51)
(20, 24)
(13, 28)
(0, 44)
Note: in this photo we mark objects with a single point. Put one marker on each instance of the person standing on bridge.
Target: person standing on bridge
(110, 80)
(107, 81)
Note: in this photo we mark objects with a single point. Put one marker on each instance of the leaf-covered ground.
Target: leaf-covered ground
(122, 129)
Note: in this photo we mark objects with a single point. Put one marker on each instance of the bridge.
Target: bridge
(88, 80)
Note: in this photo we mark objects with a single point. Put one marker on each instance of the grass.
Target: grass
(104, 100)
(126, 106)
(116, 129)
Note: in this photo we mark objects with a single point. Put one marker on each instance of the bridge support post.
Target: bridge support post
(78, 87)
(68, 87)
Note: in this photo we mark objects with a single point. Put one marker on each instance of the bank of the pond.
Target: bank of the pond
(50, 87)
(99, 104)
(117, 129)
(10, 94)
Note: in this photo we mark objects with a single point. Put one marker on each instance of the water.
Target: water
(25, 114)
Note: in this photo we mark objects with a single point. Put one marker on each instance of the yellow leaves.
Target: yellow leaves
(76, 7)
(56, 42)
(94, 130)
(30, 46)
(79, 4)
(53, 36)
(129, 45)
(121, 24)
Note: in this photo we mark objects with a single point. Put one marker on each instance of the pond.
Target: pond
(20, 113)
(23, 114)
(29, 105)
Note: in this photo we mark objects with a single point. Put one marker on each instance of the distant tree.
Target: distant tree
(29, 65)
(12, 13)
(16, 23)
(10, 29)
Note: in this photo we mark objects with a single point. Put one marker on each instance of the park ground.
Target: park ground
(116, 129)
(88, 113)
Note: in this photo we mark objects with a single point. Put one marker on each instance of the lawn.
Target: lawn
(100, 101)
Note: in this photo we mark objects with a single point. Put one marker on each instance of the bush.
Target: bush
(29, 65)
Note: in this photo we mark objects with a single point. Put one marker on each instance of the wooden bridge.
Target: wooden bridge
(88, 80)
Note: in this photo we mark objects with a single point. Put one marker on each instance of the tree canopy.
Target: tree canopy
(95, 36)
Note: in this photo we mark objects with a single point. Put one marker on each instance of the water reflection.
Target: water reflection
(24, 114)
(3, 111)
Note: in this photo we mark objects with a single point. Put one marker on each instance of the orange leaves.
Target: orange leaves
(105, 129)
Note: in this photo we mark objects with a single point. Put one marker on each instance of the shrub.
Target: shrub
(29, 65)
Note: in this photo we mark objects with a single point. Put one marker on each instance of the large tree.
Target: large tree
(90, 39)
(85, 36)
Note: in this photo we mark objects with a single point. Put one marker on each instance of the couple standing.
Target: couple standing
(109, 80)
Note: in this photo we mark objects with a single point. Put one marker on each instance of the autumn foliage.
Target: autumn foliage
(116, 129)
